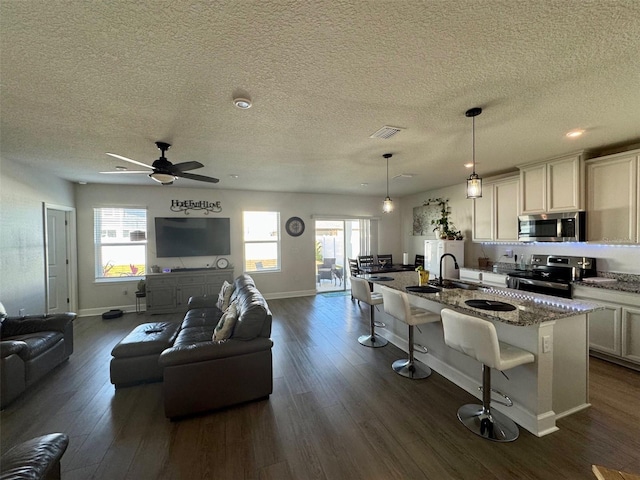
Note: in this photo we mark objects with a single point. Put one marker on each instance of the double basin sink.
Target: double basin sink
(447, 284)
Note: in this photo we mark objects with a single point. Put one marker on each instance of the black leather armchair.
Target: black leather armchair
(30, 347)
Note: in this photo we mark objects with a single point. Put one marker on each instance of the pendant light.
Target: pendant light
(387, 205)
(474, 182)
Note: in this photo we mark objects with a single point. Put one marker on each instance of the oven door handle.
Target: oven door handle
(542, 283)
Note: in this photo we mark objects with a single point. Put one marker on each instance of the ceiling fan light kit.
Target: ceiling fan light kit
(163, 178)
(164, 171)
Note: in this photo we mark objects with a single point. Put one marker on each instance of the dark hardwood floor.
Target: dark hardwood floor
(338, 411)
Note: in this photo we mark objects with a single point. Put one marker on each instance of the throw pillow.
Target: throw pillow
(225, 326)
(224, 296)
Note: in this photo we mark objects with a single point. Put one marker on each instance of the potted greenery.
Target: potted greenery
(442, 225)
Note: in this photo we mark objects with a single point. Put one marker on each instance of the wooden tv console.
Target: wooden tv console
(170, 292)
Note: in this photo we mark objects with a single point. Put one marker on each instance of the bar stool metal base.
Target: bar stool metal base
(410, 369)
(373, 341)
(488, 424)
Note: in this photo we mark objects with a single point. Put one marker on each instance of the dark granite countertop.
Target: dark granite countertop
(531, 309)
(618, 286)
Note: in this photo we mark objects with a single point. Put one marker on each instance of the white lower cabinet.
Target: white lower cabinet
(614, 330)
(484, 278)
(631, 334)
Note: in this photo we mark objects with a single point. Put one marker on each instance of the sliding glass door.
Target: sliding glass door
(337, 240)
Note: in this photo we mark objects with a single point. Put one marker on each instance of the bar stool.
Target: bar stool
(397, 305)
(361, 292)
(478, 339)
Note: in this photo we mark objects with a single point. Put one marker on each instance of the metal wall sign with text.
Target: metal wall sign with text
(186, 205)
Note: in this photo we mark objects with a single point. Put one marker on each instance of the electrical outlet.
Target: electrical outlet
(546, 344)
(21, 312)
(508, 253)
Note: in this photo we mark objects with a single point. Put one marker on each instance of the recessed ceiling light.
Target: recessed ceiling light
(120, 168)
(470, 164)
(364, 184)
(242, 103)
(575, 133)
(234, 175)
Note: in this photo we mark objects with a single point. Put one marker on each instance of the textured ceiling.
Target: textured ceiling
(79, 79)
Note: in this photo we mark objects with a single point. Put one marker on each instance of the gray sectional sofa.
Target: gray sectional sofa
(201, 374)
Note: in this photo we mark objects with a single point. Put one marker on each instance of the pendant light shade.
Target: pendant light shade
(474, 182)
(387, 204)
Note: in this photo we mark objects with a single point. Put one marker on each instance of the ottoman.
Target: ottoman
(135, 357)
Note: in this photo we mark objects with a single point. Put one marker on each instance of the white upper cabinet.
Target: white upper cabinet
(552, 186)
(613, 198)
(495, 215)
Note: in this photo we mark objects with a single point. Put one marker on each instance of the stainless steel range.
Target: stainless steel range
(552, 274)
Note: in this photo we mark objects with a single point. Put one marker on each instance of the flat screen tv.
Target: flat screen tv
(192, 237)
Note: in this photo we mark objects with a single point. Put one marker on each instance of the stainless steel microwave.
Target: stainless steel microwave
(552, 227)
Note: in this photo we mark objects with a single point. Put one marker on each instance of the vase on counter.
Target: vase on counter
(423, 277)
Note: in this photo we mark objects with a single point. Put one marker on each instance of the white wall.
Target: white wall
(610, 258)
(22, 258)
(297, 276)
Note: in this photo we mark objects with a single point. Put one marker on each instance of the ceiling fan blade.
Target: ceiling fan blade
(146, 172)
(184, 166)
(192, 176)
(129, 160)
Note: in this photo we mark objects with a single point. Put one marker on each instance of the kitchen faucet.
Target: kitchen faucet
(455, 264)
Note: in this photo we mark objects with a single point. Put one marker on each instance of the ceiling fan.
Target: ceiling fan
(164, 171)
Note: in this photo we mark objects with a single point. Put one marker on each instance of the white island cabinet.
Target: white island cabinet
(554, 330)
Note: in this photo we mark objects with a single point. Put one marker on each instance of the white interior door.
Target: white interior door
(58, 292)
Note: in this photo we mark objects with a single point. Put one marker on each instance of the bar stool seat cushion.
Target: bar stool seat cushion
(397, 305)
(478, 339)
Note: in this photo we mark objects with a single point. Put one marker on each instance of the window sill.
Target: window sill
(110, 280)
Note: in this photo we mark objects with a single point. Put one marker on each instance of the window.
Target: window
(261, 241)
(120, 237)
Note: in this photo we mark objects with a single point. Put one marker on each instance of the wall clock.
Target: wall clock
(222, 263)
(294, 226)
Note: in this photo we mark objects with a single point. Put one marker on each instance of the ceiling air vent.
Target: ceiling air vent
(386, 132)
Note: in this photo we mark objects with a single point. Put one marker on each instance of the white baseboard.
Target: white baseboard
(88, 312)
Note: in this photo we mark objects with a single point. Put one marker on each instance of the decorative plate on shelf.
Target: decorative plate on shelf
(222, 263)
(294, 226)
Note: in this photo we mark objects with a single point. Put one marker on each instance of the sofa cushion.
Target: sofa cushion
(202, 317)
(224, 296)
(37, 343)
(193, 335)
(224, 329)
(252, 314)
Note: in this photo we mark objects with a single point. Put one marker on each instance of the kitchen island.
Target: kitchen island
(554, 329)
